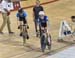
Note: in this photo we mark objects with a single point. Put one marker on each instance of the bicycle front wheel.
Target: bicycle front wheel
(49, 42)
(43, 43)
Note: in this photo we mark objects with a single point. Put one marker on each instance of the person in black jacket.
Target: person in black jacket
(36, 9)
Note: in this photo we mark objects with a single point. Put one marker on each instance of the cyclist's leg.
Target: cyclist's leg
(48, 39)
(27, 34)
(43, 41)
(44, 27)
(25, 23)
(40, 30)
(46, 36)
(44, 30)
(20, 26)
(49, 45)
(45, 33)
(49, 42)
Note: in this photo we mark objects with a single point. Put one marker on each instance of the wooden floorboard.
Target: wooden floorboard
(11, 46)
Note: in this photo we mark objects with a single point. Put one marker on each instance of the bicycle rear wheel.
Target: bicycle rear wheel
(24, 39)
(24, 34)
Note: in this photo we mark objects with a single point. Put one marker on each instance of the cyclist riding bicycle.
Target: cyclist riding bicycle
(21, 16)
(43, 21)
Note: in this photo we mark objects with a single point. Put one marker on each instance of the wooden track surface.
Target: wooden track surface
(11, 45)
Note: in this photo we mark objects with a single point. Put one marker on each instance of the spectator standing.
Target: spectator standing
(36, 9)
(5, 14)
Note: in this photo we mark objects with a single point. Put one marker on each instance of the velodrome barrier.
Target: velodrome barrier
(15, 5)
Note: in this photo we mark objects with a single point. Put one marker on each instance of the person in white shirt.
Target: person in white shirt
(5, 14)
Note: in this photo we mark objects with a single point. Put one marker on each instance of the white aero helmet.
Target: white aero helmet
(41, 13)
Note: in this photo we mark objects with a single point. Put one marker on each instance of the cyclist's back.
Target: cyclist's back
(43, 22)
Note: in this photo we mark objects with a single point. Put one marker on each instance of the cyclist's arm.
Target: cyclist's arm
(17, 15)
(48, 24)
(25, 15)
(26, 21)
(47, 21)
(18, 22)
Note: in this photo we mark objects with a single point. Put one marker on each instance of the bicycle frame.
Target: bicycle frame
(24, 33)
(44, 40)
